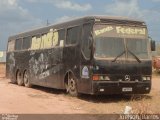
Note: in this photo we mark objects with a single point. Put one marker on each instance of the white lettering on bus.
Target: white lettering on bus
(46, 40)
(55, 38)
(103, 30)
(130, 31)
(36, 42)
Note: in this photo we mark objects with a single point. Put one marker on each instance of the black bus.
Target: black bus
(90, 55)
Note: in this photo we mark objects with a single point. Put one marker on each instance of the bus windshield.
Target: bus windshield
(108, 47)
(110, 42)
(137, 47)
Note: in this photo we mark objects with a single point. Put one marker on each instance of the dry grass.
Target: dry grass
(141, 107)
(145, 104)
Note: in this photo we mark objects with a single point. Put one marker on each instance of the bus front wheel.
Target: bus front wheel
(72, 86)
(26, 80)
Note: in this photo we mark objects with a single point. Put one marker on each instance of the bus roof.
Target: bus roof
(76, 21)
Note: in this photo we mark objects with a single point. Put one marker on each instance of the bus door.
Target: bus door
(86, 46)
(71, 52)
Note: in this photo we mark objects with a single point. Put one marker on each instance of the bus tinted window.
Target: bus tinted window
(138, 47)
(18, 45)
(26, 42)
(11, 45)
(85, 40)
(73, 35)
(61, 35)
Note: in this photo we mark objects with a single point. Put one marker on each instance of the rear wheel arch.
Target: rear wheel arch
(70, 82)
(68, 73)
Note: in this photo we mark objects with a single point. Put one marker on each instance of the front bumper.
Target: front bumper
(110, 87)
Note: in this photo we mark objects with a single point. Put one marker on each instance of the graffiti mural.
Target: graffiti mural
(43, 65)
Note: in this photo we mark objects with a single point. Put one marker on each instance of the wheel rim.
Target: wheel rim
(72, 85)
(25, 78)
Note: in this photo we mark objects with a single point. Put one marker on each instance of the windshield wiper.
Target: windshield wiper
(130, 53)
(134, 56)
(118, 56)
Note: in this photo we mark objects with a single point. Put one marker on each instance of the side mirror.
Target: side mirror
(153, 45)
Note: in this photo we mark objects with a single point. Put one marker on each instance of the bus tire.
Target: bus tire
(19, 78)
(26, 80)
(72, 86)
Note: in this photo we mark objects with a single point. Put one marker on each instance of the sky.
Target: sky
(22, 15)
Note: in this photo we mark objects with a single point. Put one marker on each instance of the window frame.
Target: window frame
(66, 35)
(30, 43)
(52, 39)
(84, 55)
(38, 34)
(21, 44)
(13, 49)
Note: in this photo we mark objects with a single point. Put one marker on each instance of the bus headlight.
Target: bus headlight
(107, 78)
(148, 78)
(100, 77)
(104, 77)
(144, 78)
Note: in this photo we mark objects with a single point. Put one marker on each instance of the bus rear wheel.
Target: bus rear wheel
(26, 80)
(72, 86)
(19, 78)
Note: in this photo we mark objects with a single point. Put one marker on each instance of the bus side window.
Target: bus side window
(61, 34)
(55, 38)
(73, 35)
(87, 29)
(26, 43)
(18, 45)
(43, 37)
(11, 45)
(36, 42)
(47, 40)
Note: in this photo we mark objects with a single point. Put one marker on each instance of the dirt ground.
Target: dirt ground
(38, 100)
(2, 70)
